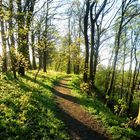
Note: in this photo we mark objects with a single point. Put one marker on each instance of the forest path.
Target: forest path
(81, 125)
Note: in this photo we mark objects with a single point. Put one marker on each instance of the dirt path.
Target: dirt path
(81, 125)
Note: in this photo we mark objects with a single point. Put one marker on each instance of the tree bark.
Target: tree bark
(138, 117)
(69, 45)
(92, 52)
(3, 39)
(129, 74)
(134, 81)
(44, 61)
(12, 40)
(86, 63)
(123, 64)
(117, 47)
(24, 14)
(46, 40)
(33, 51)
(94, 49)
(40, 59)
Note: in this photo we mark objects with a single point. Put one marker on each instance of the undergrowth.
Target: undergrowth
(27, 109)
(115, 125)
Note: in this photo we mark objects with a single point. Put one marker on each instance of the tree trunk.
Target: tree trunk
(40, 59)
(86, 63)
(123, 64)
(33, 52)
(92, 51)
(69, 66)
(129, 75)
(46, 40)
(117, 47)
(76, 68)
(108, 73)
(138, 117)
(12, 40)
(69, 45)
(3, 39)
(135, 78)
(44, 61)
(96, 54)
(24, 14)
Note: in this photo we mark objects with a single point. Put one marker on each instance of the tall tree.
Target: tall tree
(86, 21)
(135, 73)
(46, 37)
(33, 50)
(12, 39)
(69, 46)
(125, 18)
(3, 39)
(94, 48)
(24, 16)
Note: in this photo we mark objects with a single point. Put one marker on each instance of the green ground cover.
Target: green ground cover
(116, 126)
(27, 108)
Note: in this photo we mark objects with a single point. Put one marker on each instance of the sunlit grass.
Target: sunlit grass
(115, 125)
(27, 109)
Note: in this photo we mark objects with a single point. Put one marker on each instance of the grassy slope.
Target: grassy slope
(27, 109)
(116, 126)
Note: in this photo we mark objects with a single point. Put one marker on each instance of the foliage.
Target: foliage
(28, 110)
(84, 87)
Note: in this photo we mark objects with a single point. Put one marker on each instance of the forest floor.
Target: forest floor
(81, 125)
(55, 108)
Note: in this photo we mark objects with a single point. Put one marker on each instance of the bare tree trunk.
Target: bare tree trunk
(86, 63)
(77, 65)
(24, 14)
(108, 73)
(114, 66)
(135, 78)
(12, 40)
(4, 56)
(69, 51)
(40, 52)
(92, 52)
(68, 66)
(12, 49)
(40, 59)
(46, 41)
(138, 117)
(132, 85)
(129, 75)
(123, 64)
(94, 49)
(44, 61)
(96, 53)
(22, 48)
(117, 47)
(33, 51)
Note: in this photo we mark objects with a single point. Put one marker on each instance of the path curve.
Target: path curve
(81, 125)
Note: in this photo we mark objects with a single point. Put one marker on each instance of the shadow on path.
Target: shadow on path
(67, 97)
(77, 129)
(79, 123)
